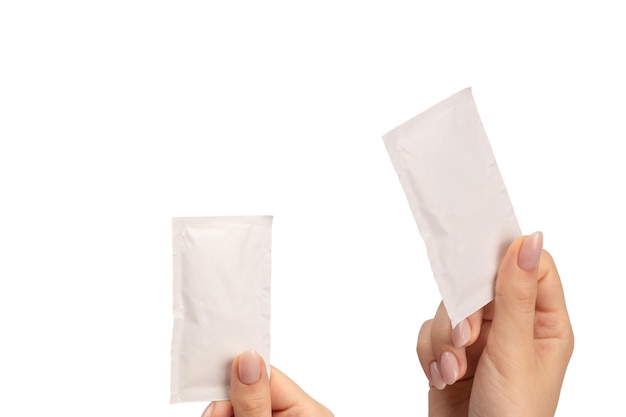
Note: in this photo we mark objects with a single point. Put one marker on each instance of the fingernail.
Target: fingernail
(530, 252)
(449, 368)
(209, 410)
(249, 367)
(461, 333)
(435, 376)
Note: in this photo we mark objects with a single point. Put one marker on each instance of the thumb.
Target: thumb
(249, 386)
(516, 294)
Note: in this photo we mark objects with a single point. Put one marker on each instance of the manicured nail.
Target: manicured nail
(209, 410)
(449, 368)
(249, 367)
(530, 252)
(435, 376)
(461, 333)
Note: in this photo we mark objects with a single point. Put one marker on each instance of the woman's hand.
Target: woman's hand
(509, 358)
(253, 394)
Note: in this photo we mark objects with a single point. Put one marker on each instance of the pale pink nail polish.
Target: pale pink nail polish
(435, 376)
(249, 367)
(449, 368)
(461, 333)
(530, 252)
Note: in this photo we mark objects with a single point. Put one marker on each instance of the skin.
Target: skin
(265, 397)
(507, 359)
(511, 357)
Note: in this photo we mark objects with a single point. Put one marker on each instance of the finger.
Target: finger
(551, 309)
(467, 331)
(427, 357)
(249, 386)
(475, 350)
(286, 394)
(516, 295)
(442, 361)
(451, 360)
(218, 409)
(550, 296)
(424, 349)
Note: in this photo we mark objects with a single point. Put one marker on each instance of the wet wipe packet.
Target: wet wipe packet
(457, 196)
(221, 301)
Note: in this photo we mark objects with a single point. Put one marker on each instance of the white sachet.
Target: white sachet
(221, 301)
(447, 169)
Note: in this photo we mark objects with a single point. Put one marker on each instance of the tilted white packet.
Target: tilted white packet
(457, 196)
(222, 271)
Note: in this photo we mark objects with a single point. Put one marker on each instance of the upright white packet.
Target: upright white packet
(457, 196)
(221, 301)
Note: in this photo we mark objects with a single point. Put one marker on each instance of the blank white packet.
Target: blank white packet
(448, 171)
(221, 301)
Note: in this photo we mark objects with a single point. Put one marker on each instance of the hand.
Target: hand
(253, 394)
(509, 358)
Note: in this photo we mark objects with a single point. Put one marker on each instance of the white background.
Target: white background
(117, 115)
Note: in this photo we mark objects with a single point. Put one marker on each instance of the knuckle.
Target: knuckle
(326, 412)
(522, 298)
(524, 305)
(570, 342)
(423, 338)
(254, 405)
(425, 329)
(547, 260)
